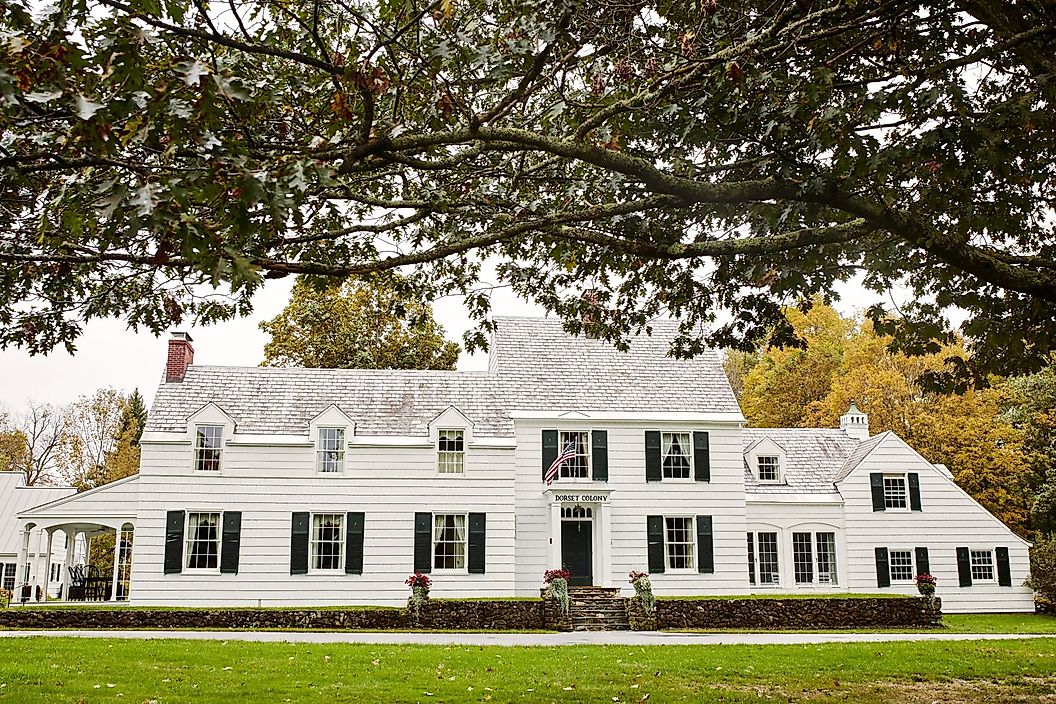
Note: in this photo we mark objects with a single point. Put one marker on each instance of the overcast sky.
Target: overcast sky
(108, 354)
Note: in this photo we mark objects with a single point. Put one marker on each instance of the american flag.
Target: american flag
(569, 453)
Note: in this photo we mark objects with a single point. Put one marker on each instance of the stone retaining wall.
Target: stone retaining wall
(796, 614)
(526, 614)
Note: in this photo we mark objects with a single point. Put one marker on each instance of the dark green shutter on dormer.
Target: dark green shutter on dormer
(232, 538)
(549, 449)
(299, 542)
(423, 542)
(599, 455)
(701, 456)
(964, 567)
(876, 485)
(705, 546)
(883, 571)
(477, 540)
(354, 542)
(1004, 569)
(913, 479)
(174, 542)
(653, 471)
(654, 533)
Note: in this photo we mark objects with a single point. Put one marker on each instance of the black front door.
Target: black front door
(577, 555)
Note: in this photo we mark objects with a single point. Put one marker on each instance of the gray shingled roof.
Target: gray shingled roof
(541, 367)
(859, 454)
(536, 366)
(284, 400)
(813, 458)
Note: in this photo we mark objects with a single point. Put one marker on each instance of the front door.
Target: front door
(577, 554)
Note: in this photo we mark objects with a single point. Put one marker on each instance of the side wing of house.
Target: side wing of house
(904, 516)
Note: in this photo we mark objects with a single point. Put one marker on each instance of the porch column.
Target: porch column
(22, 568)
(555, 536)
(71, 543)
(605, 544)
(117, 563)
(44, 563)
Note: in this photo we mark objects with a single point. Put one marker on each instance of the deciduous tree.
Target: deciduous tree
(91, 434)
(357, 324)
(677, 157)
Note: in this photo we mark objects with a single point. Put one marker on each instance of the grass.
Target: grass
(64, 670)
(999, 623)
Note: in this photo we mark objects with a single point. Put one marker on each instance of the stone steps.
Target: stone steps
(597, 609)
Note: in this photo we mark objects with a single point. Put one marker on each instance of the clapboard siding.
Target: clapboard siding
(772, 513)
(949, 519)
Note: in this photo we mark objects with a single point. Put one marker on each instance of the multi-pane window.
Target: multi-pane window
(901, 562)
(751, 559)
(327, 540)
(895, 491)
(679, 542)
(826, 558)
(765, 554)
(330, 452)
(449, 541)
(9, 576)
(207, 443)
(579, 441)
(203, 541)
(451, 446)
(769, 468)
(803, 558)
(982, 565)
(675, 451)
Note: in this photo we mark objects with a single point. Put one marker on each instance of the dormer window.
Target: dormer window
(895, 492)
(207, 447)
(768, 468)
(675, 453)
(330, 452)
(451, 451)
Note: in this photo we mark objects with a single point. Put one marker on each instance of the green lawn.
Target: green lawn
(53, 670)
(999, 623)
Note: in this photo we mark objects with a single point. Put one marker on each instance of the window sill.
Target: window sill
(200, 570)
(450, 475)
(330, 572)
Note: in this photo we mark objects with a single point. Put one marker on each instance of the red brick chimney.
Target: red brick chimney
(181, 355)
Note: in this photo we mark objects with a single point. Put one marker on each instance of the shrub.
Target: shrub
(643, 590)
(557, 587)
(1043, 568)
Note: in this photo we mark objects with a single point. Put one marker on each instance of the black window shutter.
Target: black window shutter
(1004, 570)
(174, 542)
(923, 564)
(883, 572)
(549, 449)
(655, 537)
(705, 546)
(876, 483)
(914, 491)
(423, 540)
(354, 542)
(232, 538)
(653, 472)
(964, 567)
(477, 541)
(701, 457)
(299, 543)
(599, 455)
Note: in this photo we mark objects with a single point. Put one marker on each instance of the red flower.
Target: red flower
(551, 575)
(418, 580)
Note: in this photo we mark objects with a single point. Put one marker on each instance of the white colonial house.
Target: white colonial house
(270, 486)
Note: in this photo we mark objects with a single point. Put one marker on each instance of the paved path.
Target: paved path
(508, 639)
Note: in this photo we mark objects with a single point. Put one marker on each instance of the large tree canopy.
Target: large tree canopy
(712, 160)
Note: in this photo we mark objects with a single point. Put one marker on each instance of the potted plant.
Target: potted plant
(926, 587)
(557, 587)
(643, 590)
(419, 584)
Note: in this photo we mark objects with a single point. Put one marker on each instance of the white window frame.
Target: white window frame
(691, 543)
(756, 553)
(972, 554)
(664, 435)
(189, 540)
(198, 447)
(562, 441)
(435, 541)
(445, 459)
(314, 543)
(815, 558)
(321, 453)
(904, 480)
(759, 469)
(891, 565)
(834, 558)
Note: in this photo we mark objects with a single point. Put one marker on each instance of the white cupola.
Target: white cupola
(855, 423)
